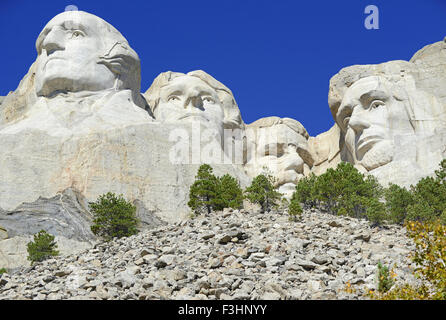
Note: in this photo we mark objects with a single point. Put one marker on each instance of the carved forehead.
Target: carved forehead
(185, 82)
(290, 123)
(81, 20)
(366, 85)
(278, 134)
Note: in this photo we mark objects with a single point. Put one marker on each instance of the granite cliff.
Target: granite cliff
(78, 126)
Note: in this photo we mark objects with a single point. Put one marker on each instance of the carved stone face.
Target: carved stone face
(276, 151)
(371, 117)
(188, 98)
(69, 48)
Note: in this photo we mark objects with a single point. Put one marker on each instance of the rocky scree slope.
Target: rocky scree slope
(225, 255)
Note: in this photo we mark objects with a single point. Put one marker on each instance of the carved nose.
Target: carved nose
(54, 41)
(194, 100)
(358, 121)
(293, 162)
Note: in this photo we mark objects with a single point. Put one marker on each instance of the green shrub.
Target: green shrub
(385, 282)
(229, 193)
(398, 200)
(343, 191)
(2, 271)
(306, 192)
(294, 210)
(210, 193)
(284, 204)
(113, 217)
(375, 211)
(262, 192)
(429, 200)
(42, 248)
(204, 191)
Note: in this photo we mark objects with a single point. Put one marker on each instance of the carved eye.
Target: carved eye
(376, 104)
(77, 34)
(173, 98)
(208, 99)
(292, 147)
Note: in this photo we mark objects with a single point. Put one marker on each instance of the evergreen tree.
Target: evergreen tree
(229, 193)
(294, 210)
(398, 200)
(429, 197)
(262, 192)
(42, 248)
(342, 191)
(113, 216)
(203, 192)
(305, 191)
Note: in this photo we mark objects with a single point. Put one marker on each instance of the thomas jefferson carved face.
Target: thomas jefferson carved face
(188, 98)
(72, 50)
(371, 115)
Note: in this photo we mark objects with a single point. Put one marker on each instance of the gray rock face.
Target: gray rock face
(147, 218)
(431, 63)
(274, 259)
(135, 160)
(66, 216)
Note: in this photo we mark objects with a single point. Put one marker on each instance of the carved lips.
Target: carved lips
(193, 115)
(366, 143)
(51, 59)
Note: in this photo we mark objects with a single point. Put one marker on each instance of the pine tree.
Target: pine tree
(42, 248)
(398, 199)
(305, 191)
(294, 210)
(113, 217)
(262, 192)
(229, 193)
(204, 191)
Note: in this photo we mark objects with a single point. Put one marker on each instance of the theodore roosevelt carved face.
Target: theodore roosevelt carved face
(78, 51)
(280, 148)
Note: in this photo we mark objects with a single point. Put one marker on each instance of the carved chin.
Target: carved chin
(287, 189)
(46, 87)
(380, 154)
(287, 177)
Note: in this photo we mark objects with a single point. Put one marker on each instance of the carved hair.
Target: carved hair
(272, 121)
(124, 63)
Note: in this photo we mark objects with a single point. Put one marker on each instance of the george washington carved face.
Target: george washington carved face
(78, 51)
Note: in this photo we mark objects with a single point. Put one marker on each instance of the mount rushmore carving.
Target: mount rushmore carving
(78, 120)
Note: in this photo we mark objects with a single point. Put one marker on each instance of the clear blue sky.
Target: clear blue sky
(277, 56)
